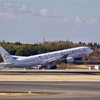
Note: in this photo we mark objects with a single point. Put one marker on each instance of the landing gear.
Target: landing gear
(53, 67)
(48, 67)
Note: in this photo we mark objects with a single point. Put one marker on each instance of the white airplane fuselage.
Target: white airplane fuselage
(46, 58)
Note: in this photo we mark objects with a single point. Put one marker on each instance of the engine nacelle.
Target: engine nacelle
(69, 60)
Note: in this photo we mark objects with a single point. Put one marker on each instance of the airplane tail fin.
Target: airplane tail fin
(6, 56)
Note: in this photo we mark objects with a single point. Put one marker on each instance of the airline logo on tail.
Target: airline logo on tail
(6, 56)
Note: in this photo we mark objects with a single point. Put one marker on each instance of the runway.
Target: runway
(49, 85)
(49, 72)
(52, 90)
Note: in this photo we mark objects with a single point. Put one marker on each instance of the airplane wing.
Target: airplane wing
(17, 57)
(57, 60)
(51, 63)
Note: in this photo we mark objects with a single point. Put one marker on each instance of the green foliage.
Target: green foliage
(20, 49)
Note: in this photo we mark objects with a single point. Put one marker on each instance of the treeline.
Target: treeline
(20, 49)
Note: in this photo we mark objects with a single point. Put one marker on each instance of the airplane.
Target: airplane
(46, 60)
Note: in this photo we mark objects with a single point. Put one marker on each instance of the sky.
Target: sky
(33, 21)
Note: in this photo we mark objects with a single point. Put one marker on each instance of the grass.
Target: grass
(93, 78)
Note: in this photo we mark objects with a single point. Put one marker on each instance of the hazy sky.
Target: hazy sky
(29, 21)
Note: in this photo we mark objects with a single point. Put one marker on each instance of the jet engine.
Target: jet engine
(69, 60)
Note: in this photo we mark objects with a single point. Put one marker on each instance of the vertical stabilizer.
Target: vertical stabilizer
(6, 56)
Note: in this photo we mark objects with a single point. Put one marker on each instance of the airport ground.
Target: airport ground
(50, 75)
(55, 90)
(49, 84)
